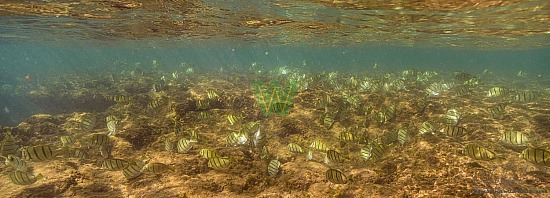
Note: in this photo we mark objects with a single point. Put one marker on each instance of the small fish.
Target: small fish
(536, 155)
(336, 176)
(23, 178)
(318, 145)
(74, 153)
(67, 140)
(403, 136)
(114, 164)
(8, 145)
(120, 99)
(328, 120)
(157, 86)
(88, 123)
(436, 88)
(259, 138)
(153, 104)
(39, 153)
(110, 118)
(426, 127)
(273, 167)
(184, 145)
(497, 110)
(463, 76)
(366, 153)
(202, 104)
(111, 126)
(454, 131)
(497, 92)
(525, 96)
(515, 138)
(175, 75)
(264, 154)
(250, 127)
(156, 168)
(461, 90)
(234, 119)
(169, 145)
(189, 70)
(346, 136)
(376, 152)
(194, 136)
(97, 140)
(207, 153)
(235, 138)
(133, 170)
(477, 152)
(16, 163)
(219, 162)
(521, 74)
(333, 155)
(294, 148)
(452, 117)
(212, 95)
(205, 115)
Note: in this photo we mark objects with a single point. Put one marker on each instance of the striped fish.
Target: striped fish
(16, 163)
(235, 138)
(536, 155)
(219, 162)
(234, 119)
(207, 153)
(205, 115)
(366, 153)
(194, 136)
(264, 154)
(403, 136)
(133, 170)
(452, 117)
(67, 140)
(259, 138)
(169, 145)
(120, 98)
(273, 167)
(250, 127)
(524, 96)
(477, 152)
(497, 92)
(8, 146)
(336, 176)
(110, 118)
(328, 120)
(153, 104)
(212, 95)
(346, 136)
(515, 138)
(202, 104)
(114, 164)
(111, 126)
(39, 153)
(184, 145)
(97, 140)
(374, 151)
(318, 145)
(454, 131)
(87, 123)
(332, 155)
(497, 110)
(461, 90)
(156, 168)
(426, 127)
(74, 153)
(23, 178)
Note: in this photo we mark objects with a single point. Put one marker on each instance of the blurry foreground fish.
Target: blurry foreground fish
(477, 152)
(23, 178)
(536, 155)
(273, 167)
(336, 176)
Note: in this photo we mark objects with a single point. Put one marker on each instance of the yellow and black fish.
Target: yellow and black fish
(8, 145)
(477, 152)
(318, 145)
(328, 120)
(202, 104)
(212, 95)
(219, 162)
(16, 163)
(497, 92)
(23, 178)
(156, 168)
(273, 167)
(207, 153)
(454, 131)
(333, 155)
(114, 164)
(133, 170)
(497, 110)
(336, 176)
(120, 98)
(426, 128)
(515, 138)
(153, 104)
(525, 96)
(39, 153)
(67, 140)
(97, 140)
(234, 118)
(184, 145)
(536, 155)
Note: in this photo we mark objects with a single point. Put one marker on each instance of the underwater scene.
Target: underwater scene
(309, 98)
